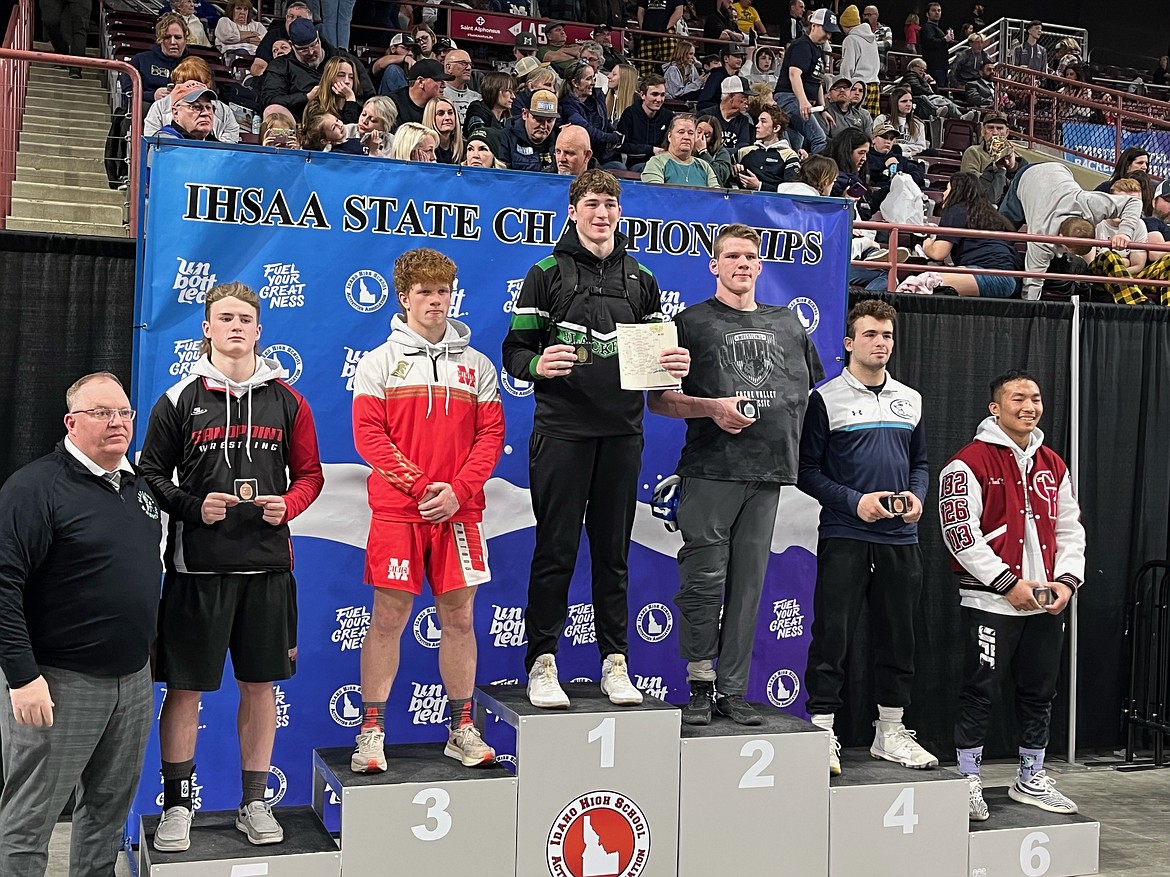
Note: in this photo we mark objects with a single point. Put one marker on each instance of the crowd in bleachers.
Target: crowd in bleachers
(903, 131)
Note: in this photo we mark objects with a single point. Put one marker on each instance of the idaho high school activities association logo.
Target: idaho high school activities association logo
(426, 629)
(600, 834)
(366, 291)
(345, 706)
(783, 688)
(287, 357)
(654, 622)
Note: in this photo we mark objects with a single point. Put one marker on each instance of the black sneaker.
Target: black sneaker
(698, 708)
(738, 710)
(74, 72)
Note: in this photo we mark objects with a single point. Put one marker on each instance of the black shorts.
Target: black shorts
(202, 616)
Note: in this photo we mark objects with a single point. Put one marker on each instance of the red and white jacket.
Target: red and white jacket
(989, 518)
(427, 412)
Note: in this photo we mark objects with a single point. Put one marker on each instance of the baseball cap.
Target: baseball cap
(995, 117)
(543, 104)
(826, 19)
(732, 49)
(445, 44)
(885, 129)
(603, 27)
(402, 39)
(428, 69)
(553, 24)
(841, 83)
(1163, 190)
(190, 91)
(734, 85)
(525, 66)
(526, 39)
(301, 33)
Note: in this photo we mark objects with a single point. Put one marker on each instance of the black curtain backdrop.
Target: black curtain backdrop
(66, 308)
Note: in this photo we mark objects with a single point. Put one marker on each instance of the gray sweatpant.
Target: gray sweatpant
(96, 745)
(66, 24)
(727, 536)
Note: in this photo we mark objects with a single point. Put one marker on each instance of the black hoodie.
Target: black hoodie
(589, 401)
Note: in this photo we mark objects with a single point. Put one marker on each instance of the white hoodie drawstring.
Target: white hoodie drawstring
(227, 429)
(248, 445)
(446, 383)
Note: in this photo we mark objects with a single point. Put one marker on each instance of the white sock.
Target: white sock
(890, 715)
(824, 721)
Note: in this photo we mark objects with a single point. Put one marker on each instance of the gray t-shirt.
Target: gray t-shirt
(764, 355)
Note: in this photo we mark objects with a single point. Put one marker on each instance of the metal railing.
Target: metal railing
(1004, 35)
(1147, 704)
(15, 58)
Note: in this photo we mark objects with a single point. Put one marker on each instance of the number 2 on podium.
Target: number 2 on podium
(605, 732)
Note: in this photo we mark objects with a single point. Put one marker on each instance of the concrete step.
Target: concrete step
(98, 114)
(86, 179)
(40, 161)
(66, 100)
(47, 226)
(49, 76)
(65, 211)
(92, 145)
(35, 191)
(44, 92)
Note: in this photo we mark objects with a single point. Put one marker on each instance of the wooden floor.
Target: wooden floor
(1132, 807)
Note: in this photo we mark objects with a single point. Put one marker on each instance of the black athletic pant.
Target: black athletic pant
(1026, 647)
(849, 572)
(595, 481)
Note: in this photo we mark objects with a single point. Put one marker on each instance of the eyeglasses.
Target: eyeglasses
(107, 414)
(458, 62)
(202, 109)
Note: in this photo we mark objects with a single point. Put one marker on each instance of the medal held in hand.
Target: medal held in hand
(247, 489)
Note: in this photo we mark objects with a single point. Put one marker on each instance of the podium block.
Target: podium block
(1023, 841)
(427, 813)
(886, 820)
(219, 849)
(739, 785)
(598, 789)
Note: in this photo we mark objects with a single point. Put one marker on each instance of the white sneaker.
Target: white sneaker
(976, 806)
(466, 744)
(369, 756)
(896, 743)
(173, 834)
(1040, 791)
(615, 681)
(255, 819)
(544, 689)
(834, 755)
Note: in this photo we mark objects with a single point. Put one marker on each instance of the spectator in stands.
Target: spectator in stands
(1132, 158)
(644, 123)
(1133, 259)
(536, 78)
(1071, 109)
(196, 34)
(426, 82)
(1030, 53)
(927, 102)
(459, 90)
(1044, 195)
(325, 132)
(276, 130)
(731, 57)
(278, 31)
(581, 103)
(336, 17)
(750, 24)
(900, 114)
(841, 111)
(709, 147)
(66, 24)
(911, 31)
(1067, 54)
(239, 32)
(335, 92)
(994, 161)
(659, 18)
(792, 27)
(603, 36)
(770, 161)
(374, 125)
(425, 42)
(970, 63)
(525, 46)
(677, 164)
(1160, 75)
(883, 35)
(966, 206)
(478, 150)
(224, 126)
(441, 116)
(980, 91)
(762, 68)
(157, 63)
(800, 86)
(557, 52)
(977, 21)
(494, 107)
(1156, 208)
(1112, 261)
(623, 86)
(936, 44)
(572, 153)
(395, 64)
(526, 143)
(723, 24)
(860, 61)
(289, 80)
(415, 142)
(592, 54)
(816, 176)
(684, 78)
(849, 148)
(885, 161)
(737, 126)
(192, 112)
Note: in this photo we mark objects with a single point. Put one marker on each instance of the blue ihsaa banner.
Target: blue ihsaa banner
(316, 236)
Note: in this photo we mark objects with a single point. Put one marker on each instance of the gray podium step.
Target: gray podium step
(218, 848)
(1019, 840)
